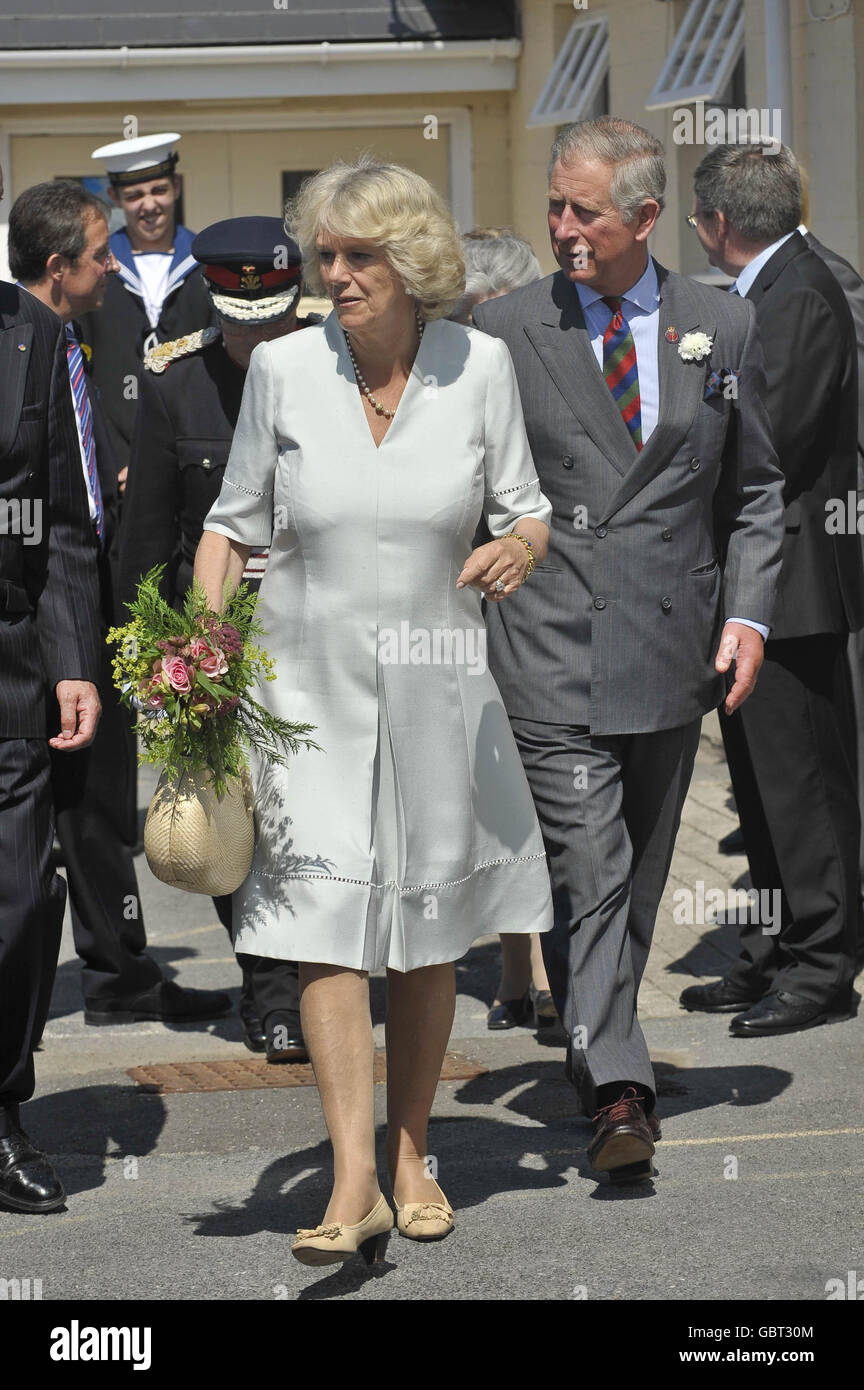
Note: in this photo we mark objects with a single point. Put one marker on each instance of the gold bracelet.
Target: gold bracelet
(514, 536)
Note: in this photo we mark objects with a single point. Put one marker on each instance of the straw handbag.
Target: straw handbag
(196, 841)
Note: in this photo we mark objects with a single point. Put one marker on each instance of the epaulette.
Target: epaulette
(157, 359)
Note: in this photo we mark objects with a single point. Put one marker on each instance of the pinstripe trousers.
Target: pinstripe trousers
(609, 808)
(32, 899)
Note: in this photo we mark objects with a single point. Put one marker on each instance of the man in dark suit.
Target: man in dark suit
(852, 286)
(157, 294)
(59, 250)
(791, 748)
(662, 563)
(49, 664)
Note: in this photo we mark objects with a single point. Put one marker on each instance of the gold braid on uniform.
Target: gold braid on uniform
(157, 359)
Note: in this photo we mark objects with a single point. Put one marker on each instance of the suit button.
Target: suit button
(665, 604)
(205, 463)
(600, 532)
(667, 534)
(567, 460)
(599, 603)
(694, 465)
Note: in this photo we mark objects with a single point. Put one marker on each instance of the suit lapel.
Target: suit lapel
(682, 385)
(16, 345)
(561, 341)
(772, 268)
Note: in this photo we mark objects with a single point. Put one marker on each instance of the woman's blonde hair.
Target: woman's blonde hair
(395, 209)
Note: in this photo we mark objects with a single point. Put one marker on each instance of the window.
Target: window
(703, 56)
(577, 86)
(291, 181)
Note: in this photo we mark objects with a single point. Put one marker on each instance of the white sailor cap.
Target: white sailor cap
(137, 161)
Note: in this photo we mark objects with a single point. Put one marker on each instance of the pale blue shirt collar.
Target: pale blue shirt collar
(745, 280)
(645, 294)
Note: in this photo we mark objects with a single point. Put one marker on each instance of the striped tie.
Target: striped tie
(619, 369)
(75, 358)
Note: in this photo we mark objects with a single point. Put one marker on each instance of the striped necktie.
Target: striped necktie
(83, 411)
(619, 369)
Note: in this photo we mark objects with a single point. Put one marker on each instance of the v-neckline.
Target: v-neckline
(354, 386)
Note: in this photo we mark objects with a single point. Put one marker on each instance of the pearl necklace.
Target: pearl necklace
(361, 380)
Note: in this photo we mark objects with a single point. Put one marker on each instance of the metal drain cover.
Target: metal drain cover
(254, 1073)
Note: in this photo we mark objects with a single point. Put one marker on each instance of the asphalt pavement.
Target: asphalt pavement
(196, 1195)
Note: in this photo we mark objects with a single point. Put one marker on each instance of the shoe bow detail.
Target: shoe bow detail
(429, 1211)
(321, 1232)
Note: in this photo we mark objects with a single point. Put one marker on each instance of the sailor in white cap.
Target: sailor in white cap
(158, 294)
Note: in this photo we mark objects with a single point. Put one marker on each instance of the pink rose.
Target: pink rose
(178, 673)
(211, 660)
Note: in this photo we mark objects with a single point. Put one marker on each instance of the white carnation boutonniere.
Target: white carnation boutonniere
(695, 347)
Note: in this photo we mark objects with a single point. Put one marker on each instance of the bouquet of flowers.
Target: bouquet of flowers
(188, 673)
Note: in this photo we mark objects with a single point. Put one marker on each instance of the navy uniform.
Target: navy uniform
(190, 393)
(136, 316)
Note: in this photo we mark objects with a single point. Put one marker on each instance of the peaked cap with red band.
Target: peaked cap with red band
(251, 267)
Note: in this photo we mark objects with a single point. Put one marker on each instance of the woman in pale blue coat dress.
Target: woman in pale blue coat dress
(366, 453)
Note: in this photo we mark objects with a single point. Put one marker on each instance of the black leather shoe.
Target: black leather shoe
(716, 998)
(253, 1033)
(781, 1012)
(27, 1180)
(622, 1136)
(283, 1038)
(513, 1013)
(165, 1002)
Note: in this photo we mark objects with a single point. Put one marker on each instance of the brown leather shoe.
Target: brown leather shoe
(622, 1134)
(654, 1126)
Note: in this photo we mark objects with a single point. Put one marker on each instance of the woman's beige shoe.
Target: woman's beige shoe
(425, 1220)
(328, 1245)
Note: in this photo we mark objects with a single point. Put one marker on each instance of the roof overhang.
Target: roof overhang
(87, 75)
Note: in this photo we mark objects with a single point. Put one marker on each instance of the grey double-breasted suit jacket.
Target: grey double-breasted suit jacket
(649, 552)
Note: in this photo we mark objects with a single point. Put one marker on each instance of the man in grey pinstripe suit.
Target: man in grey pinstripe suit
(654, 448)
(49, 663)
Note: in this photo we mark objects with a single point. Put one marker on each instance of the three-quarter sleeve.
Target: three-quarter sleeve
(512, 488)
(243, 511)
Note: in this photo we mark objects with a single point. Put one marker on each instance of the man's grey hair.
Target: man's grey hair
(758, 192)
(636, 154)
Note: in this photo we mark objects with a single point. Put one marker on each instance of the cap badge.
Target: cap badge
(250, 279)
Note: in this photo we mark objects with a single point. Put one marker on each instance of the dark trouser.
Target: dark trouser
(32, 899)
(791, 755)
(269, 985)
(609, 808)
(855, 652)
(93, 792)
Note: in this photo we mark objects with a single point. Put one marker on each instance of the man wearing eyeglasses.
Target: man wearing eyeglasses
(791, 748)
(60, 252)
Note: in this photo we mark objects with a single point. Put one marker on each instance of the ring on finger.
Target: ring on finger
(499, 586)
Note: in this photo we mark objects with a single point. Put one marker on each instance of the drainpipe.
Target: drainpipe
(778, 66)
